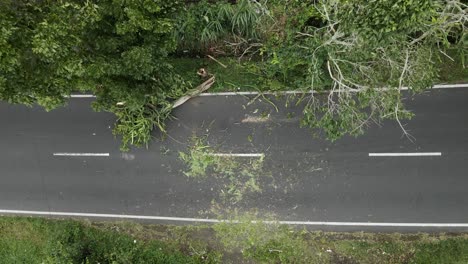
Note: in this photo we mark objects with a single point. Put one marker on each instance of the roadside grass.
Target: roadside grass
(244, 75)
(22, 240)
(401, 248)
(41, 240)
(267, 242)
(452, 69)
(454, 250)
(38, 240)
(237, 76)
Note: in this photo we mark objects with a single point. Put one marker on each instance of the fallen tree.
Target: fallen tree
(349, 50)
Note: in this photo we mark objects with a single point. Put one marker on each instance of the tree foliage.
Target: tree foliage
(127, 64)
(358, 56)
(40, 56)
(115, 49)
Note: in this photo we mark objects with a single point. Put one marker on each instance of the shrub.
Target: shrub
(218, 27)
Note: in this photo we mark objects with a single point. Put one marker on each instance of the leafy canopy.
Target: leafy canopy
(357, 56)
(115, 49)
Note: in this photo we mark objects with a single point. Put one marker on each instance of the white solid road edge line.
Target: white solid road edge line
(445, 86)
(66, 154)
(237, 154)
(437, 86)
(253, 93)
(203, 220)
(415, 154)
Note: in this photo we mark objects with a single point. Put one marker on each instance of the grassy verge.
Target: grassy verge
(237, 76)
(451, 67)
(37, 240)
(241, 76)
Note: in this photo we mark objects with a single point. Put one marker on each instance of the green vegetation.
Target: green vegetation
(236, 77)
(237, 176)
(242, 75)
(453, 68)
(268, 243)
(138, 57)
(397, 248)
(349, 50)
(37, 240)
(116, 50)
(206, 27)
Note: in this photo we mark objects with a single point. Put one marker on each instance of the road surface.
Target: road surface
(68, 161)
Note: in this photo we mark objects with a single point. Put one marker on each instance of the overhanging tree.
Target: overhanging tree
(357, 56)
(40, 50)
(127, 65)
(116, 49)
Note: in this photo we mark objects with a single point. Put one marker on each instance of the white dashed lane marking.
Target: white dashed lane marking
(414, 154)
(68, 154)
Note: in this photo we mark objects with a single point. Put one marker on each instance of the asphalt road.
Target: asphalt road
(312, 180)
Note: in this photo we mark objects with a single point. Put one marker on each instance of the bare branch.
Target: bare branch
(405, 67)
(405, 132)
(446, 55)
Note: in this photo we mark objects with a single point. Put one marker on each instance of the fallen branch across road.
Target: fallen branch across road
(194, 92)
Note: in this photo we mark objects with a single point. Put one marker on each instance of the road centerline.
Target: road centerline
(69, 154)
(245, 155)
(406, 154)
